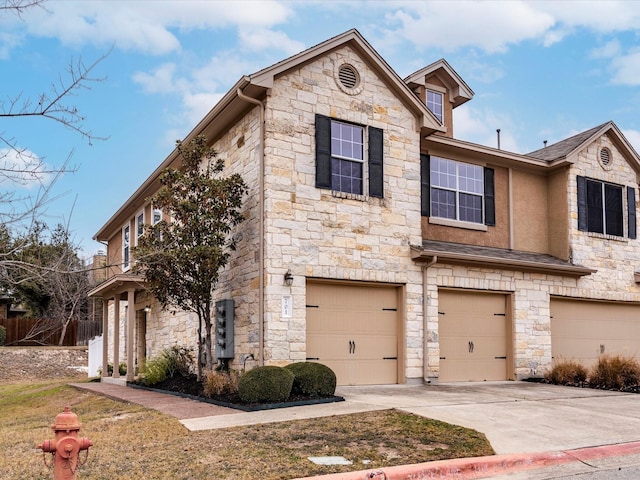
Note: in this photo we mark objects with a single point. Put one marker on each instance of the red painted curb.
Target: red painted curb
(482, 467)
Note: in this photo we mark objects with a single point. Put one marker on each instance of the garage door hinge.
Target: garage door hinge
(313, 306)
(499, 314)
(389, 309)
(389, 358)
(441, 313)
(313, 358)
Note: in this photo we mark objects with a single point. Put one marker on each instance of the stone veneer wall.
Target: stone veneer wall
(319, 235)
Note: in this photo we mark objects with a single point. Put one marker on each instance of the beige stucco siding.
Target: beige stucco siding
(530, 212)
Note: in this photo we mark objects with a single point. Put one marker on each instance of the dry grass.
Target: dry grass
(131, 442)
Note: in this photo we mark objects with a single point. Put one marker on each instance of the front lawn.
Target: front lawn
(134, 443)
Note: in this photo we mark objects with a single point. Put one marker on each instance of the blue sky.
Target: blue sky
(540, 71)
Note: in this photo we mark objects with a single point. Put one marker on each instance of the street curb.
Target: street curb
(483, 467)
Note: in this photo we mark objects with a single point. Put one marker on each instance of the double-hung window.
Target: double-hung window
(139, 226)
(601, 208)
(126, 247)
(344, 159)
(457, 191)
(435, 104)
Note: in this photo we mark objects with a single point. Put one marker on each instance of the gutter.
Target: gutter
(246, 98)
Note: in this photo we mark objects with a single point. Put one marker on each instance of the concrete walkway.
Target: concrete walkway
(529, 425)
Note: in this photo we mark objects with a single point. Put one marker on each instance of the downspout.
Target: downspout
(244, 97)
(425, 320)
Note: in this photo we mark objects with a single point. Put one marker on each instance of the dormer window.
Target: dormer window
(435, 104)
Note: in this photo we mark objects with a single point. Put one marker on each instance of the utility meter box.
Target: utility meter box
(224, 328)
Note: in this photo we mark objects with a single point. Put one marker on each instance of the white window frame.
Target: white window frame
(361, 160)
(126, 247)
(155, 211)
(432, 104)
(139, 226)
(457, 189)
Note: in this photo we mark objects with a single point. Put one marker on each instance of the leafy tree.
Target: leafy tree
(181, 258)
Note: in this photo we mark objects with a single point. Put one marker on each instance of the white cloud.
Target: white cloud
(634, 138)
(608, 50)
(626, 69)
(23, 169)
(145, 26)
(490, 26)
(264, 39)
(197, 105)
(480, 127)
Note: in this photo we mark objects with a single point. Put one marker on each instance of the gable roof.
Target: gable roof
(353, 38)
(460, 91)
(231, 107)
(566, 148)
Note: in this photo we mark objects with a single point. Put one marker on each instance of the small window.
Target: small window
(139, 226)
(157, 216)
(126, 244)
(435, 104)
(457, 190)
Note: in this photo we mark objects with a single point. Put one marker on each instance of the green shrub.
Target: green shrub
(567, 372)
(615, 373)
(122, 368)
(171, 361)
(312, 379)
(217, 382)
(267, 384)
(3, 335)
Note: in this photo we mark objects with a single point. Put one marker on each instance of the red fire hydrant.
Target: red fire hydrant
(66, 446)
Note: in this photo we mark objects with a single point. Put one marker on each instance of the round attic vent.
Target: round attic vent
(348, 76)
(605, 157)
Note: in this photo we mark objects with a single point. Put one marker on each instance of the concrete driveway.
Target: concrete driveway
(517, 417)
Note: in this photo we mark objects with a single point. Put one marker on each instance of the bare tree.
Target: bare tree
(20, 166)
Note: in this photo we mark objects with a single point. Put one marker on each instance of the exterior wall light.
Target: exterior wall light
(288, 278)
(147, 309)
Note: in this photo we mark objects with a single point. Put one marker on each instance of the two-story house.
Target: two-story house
(379, 244)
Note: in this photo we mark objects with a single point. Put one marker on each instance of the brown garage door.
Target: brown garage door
(353, 329)
(583, 330)
(473, 336)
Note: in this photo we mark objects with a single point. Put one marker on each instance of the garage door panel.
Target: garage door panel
(583, 330)
(352, 329)
(473, 336)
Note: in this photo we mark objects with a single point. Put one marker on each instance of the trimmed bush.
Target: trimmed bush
(218, 382)
(267, 384)
(567, 372)
(3, 335)
(312, 379)
(615, 373)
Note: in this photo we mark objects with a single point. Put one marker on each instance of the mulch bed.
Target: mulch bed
(189, 387)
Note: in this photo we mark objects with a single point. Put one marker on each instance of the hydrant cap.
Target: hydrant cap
(67, 420)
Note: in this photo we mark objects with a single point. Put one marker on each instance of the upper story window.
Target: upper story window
(126, 247)
(347, 157)
(435, 104)
(344, 160)
(457, 191)
(139, 226)
(157, 216)
(601, 208)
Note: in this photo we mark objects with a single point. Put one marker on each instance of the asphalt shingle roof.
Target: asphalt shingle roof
(564, 147)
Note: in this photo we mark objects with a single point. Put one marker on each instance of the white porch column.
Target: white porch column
(131, 322)
(105, 337)
(116, 336)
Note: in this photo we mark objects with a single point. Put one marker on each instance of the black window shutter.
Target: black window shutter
(631, 208)
(376, 178)
(489, 197)
(583, 219)
(323, 151)
(425, 186)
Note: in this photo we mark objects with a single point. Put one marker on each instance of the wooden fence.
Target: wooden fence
(19, 328)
